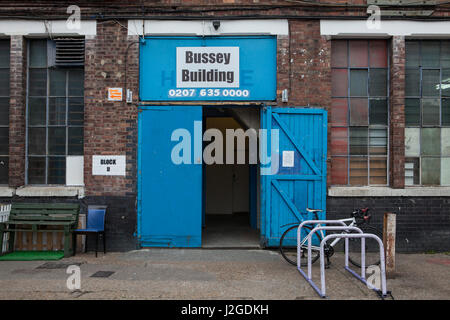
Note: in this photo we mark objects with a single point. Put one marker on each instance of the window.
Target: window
(427, 113)
(4, 111)
(359, 112)
(55, 116)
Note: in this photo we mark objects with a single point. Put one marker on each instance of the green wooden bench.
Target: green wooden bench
(30, 217)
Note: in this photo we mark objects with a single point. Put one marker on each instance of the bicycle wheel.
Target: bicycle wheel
(288, 247)
(372, 249)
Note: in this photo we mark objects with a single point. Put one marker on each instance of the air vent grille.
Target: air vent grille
(69, 52)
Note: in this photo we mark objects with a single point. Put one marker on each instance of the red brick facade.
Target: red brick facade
(303, 67)
(110, 127)
(397, 113)
(17, 111)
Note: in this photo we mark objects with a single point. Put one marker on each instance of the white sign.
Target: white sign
(207, 67)
(108, 165)
(288, 159)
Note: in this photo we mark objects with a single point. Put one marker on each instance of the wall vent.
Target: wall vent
(66, 52)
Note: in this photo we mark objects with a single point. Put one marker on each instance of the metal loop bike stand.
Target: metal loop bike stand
(362, 278)
(299, 232)
(308, 276)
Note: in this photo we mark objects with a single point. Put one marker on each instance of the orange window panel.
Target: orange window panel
(339, 112)
(339, 141)
(339, 54)
(358, 51)
(339, 169)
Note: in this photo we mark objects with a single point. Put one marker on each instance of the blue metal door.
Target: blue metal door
(298, 162)
(169, 192)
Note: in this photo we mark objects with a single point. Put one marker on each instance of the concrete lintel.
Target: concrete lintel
(388, 192)
(42, 28)
(7, 191)
(56, 191)
(205, 27)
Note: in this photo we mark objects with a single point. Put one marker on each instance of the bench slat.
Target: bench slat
(43, 216)
(37, 219)
(43, 211)
(39, 230)
(45, 205)
(42, 223)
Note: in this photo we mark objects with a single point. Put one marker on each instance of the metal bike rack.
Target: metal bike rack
(299, 232)
(308, 276)
(346, 236)
(362, 278)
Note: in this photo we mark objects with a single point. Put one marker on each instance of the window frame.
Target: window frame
(8, 98)
(368, 157)
(47, 124)
(420, 98)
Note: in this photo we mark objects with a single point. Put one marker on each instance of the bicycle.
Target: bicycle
(359, 218)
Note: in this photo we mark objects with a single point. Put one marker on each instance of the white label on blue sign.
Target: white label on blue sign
(108, 165)
(288, 159)
(207, 67)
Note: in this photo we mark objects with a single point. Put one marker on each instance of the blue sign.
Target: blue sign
(208, 68)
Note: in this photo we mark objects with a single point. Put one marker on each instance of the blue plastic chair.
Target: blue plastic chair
(95, 225)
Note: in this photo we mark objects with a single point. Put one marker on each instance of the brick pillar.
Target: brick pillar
(110, 127)
(397, 113)
(17, 111)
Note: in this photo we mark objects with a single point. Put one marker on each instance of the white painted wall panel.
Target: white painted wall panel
(205, 27)
(75, 170)
(411, 29)
(39, 28)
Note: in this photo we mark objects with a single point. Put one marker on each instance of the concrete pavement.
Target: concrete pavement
(213, 274)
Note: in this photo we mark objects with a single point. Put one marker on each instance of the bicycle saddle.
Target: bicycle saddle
(313, 210)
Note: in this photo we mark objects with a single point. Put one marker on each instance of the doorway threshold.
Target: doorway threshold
(229, 232)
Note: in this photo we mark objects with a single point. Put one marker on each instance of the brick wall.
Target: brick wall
(397, 113)
(423, 223)
(303, 67)
(307, 71)
(17, 111)
(203, 8)
(110, 127)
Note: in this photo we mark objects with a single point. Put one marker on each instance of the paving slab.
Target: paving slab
(214, 274)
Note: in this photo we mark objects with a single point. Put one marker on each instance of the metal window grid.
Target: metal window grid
(369, 126)
(421, 96)
(47, 125)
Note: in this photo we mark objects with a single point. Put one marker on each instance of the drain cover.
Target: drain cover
(102, 274)
(58, 265)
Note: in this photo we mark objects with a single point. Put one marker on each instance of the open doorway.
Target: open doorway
(230, 191)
